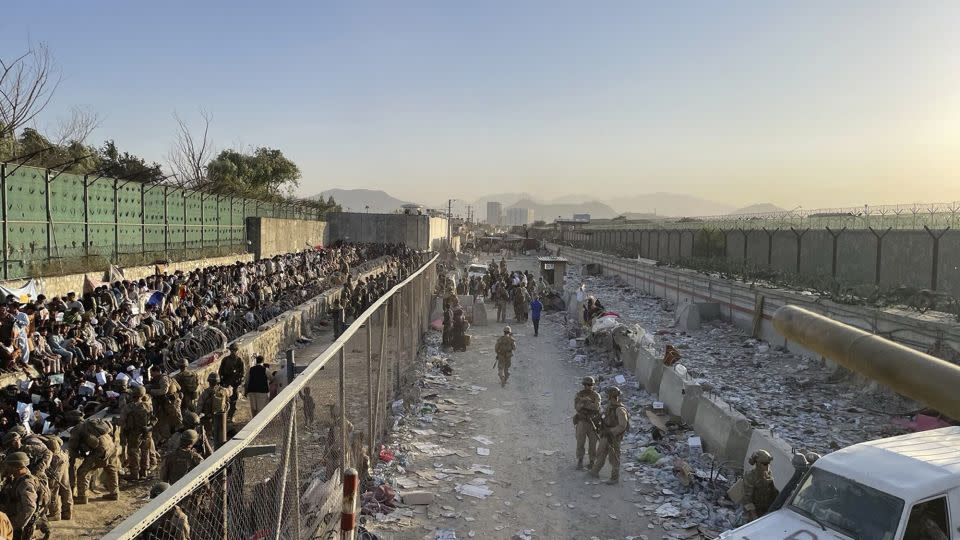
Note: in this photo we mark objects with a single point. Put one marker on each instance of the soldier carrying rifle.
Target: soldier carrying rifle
(586, 420)
(616, 421)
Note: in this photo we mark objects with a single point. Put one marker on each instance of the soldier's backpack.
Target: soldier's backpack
(189, 381)
(96, 427)
(219, 400)
(140, 418)
(503, 347)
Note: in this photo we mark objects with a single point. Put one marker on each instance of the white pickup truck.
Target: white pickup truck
(900, 488)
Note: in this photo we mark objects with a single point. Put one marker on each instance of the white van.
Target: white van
(900, 488)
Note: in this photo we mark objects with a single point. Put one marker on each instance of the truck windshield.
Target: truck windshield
(849, 507)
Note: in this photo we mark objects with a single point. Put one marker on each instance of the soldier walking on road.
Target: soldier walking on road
(231, 373)
(616, 421)
(504, 348)
(587, 407)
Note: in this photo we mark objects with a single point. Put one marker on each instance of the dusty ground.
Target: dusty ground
(532, 455)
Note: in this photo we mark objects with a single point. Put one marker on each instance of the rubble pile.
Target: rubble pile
(811, 407)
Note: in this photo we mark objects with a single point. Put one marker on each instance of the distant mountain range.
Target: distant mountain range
(648, 206)
(357, 200)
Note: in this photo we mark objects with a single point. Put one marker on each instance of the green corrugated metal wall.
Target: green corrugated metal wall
(89, 220)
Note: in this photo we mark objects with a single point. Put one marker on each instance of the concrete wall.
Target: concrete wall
(421, 232)
(907, 256)
(271, 236)
(61, 285)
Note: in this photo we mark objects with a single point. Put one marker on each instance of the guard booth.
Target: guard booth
(552, 269)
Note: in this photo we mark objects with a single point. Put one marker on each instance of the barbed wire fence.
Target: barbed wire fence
(280, 476)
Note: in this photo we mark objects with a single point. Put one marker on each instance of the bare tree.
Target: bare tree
(190, 154)
(76, 128)
(27, 84)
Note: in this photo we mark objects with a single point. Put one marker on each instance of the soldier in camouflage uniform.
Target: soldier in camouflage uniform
(35, 449)
(504, 349)
(58, 478)
(191, 420)
(174, 525)
(587, 407)
(616, 421)
(166, 404)
(759, 490)
(231, 372)
(22, 496)
(138, 422)
(189, 383)
(98, 450)
(214, 400)
(185, 458)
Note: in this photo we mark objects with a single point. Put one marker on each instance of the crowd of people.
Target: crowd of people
(115, 347)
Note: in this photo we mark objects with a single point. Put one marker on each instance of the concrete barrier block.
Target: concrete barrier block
(688, 317)
(680, 394)
(480, 315)
(782, 452)
(709, 311)
(629, 350)
(649, 370)
(724, 430)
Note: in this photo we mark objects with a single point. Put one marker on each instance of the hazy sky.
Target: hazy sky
(812, 103)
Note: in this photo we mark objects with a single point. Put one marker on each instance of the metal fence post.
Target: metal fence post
(116, 220)
(143, 220)
(166, 223)
(291, 365)
(398, 308)
(343, 409)
(370, 387)
(296, 473)
(3, 201)
(86, 216)
(46, 204)
(383, 344)
(278, 526)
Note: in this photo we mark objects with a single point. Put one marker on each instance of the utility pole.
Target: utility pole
(449, 219)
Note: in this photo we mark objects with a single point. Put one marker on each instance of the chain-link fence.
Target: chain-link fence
(280, 476)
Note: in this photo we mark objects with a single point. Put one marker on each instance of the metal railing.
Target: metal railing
(279, 476)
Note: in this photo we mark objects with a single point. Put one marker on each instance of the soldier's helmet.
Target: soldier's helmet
(588, 381)
(17, 458)
(189, 438)
(214, 378)
(122, 382)
(183, 363)
(812, 457)
(507, 330)
(191, 419)
(138, 391)
(10, 437)
(234, 347)
(19, 429)
(799, 460)
(613, 392)
(158, 488)
(761, 456)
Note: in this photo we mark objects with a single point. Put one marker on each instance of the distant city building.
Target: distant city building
(518, 217)
(581, 217)
(494, 213)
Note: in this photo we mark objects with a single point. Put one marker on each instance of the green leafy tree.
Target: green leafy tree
(127, 166)
(32, 148)
(266, 173)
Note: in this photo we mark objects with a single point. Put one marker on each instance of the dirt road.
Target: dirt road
(531, 454)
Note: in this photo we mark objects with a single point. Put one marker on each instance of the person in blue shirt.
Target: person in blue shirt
(535, 308)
